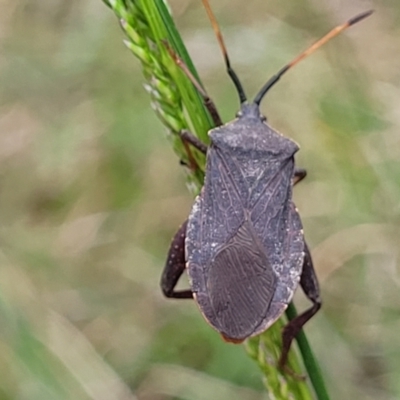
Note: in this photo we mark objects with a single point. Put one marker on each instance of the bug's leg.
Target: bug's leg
(299, 175)
(175, 266)
(188, 137)
(208, 103)
(309, 284)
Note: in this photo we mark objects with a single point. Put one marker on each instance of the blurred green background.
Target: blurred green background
(91, 193)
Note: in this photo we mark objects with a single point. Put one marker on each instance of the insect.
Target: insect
(243, 244)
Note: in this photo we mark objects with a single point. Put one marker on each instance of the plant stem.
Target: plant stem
(309, 360)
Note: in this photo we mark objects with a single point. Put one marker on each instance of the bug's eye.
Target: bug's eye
(239, 114)
(263, 118)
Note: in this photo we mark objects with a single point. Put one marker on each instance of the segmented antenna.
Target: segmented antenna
(334, 32)
(218, 34)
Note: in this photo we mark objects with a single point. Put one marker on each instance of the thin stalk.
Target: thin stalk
(309, 360)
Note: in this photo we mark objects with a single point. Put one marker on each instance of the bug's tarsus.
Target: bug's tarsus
(299, 175)
(331, 34)
(209, 104)
(218, 34)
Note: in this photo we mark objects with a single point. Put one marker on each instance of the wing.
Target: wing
(239, 287)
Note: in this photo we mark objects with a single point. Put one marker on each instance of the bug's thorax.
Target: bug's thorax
(250, 132)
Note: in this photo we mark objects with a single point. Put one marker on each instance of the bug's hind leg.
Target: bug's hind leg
(175, 266)
(309, 284)
(298, 175)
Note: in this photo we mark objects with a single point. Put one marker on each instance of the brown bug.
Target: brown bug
(243, 244)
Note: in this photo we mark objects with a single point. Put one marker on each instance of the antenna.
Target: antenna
(334, 32)
(218, 34)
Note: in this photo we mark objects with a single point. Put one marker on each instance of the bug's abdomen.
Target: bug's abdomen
(240, 286)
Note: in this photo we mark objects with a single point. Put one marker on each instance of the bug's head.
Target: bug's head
(252, 109)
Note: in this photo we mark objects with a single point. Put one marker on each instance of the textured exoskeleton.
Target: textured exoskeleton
(243, 242)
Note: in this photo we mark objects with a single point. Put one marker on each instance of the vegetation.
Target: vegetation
(91, 195)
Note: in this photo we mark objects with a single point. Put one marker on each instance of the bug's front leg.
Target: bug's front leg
(188, 138)
(208, 103)
(309, 284)
(175, 266)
